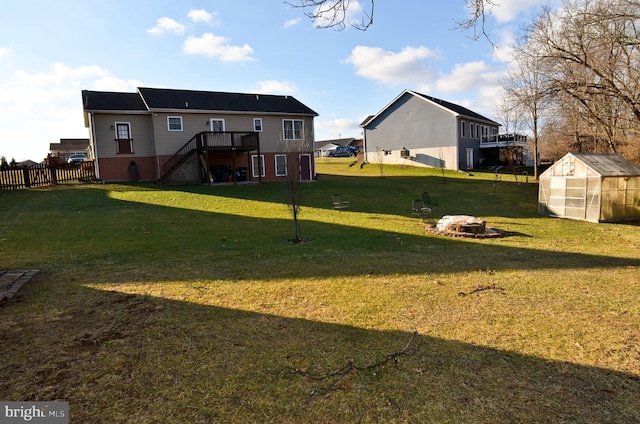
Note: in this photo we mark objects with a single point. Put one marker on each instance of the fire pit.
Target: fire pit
(464, 226)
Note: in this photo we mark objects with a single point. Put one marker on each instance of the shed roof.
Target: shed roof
(608, 164)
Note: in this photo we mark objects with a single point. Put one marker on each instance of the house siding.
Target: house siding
(114, 166)
(427, 131)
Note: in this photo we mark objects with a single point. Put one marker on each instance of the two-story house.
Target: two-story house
(181, 136)
(420, 130)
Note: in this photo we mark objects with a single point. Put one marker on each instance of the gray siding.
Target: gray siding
(104, 136)
(412, 123)
(168, 142)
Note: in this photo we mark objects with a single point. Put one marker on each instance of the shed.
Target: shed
(591, 187)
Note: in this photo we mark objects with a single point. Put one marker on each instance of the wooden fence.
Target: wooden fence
(46, 175)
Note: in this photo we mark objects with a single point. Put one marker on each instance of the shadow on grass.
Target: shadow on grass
(127, 358)
(134, 241)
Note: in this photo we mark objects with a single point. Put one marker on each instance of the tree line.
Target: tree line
(574, 80)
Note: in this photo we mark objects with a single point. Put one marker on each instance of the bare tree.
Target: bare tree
(290, 165)
(528, 88)
(477, 18)
(592, 49)
(335, 14)
(510, 114)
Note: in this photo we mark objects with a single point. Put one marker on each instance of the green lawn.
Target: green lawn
(160, 304)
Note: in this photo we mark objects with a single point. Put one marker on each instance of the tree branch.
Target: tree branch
(337, 378)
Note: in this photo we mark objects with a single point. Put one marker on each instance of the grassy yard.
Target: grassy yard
(188, 304)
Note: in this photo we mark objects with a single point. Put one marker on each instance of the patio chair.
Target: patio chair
(419, 210)
(339, 203)
(428, 201)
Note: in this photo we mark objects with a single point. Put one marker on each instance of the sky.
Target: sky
(51, 50)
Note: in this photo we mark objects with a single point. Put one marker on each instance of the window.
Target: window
(123, 138)
(257, 124)
(292, 129)
(216, 124)
(472, 133)
(477, 130)
(257, 165)
(174, 123)
(463, 132)
(281, 165)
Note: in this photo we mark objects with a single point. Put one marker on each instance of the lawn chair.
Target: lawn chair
(339, 203)
(428, 201)
(419, 210)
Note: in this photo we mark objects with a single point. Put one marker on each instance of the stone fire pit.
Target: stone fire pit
(464, 226)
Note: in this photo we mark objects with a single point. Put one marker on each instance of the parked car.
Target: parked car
(76, 158)
(343, 152)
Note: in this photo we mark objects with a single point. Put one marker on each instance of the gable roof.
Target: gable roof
(450, 107)
(608, 164)
(457, 109)
(168, 99)
(163, 99)
(110, 101)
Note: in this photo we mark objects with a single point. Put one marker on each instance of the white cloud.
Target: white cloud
(165, 25)
(38, 109)
(508, 10)
(216, 46)
(339, 128)
(466, 76)
(6, 51)
(504, 50)
(292, 22)
(201, 15)
(272, 86)
(407, 67)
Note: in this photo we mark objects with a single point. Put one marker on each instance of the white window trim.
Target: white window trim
(169, 123)
(211, 121)
(261, 158)
(462, 129)
(276, 165)
(293, 129)
(254, 124)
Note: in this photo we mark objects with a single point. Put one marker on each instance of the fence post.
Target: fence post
(54, 174)
(25, 173)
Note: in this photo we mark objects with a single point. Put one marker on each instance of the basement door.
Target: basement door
(305, 167)
(469, 158)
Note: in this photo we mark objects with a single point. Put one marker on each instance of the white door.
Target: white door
(469, 158)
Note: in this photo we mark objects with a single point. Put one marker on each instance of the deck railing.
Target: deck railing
(212, 140)
(496, 140)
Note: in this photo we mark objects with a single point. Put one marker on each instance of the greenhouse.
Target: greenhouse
(591, 187)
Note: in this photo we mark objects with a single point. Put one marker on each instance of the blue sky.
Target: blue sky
(51, 50)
